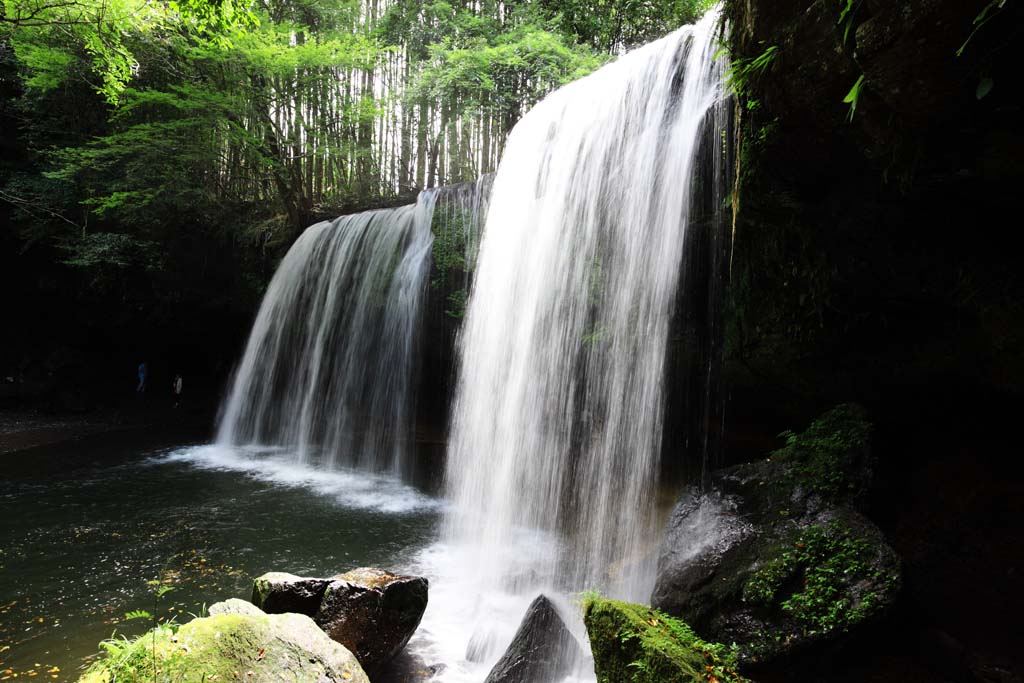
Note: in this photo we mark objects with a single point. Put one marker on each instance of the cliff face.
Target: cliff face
(871, 243)
(874, 260)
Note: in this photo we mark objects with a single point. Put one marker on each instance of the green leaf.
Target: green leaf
(985, 86)
(852, 97)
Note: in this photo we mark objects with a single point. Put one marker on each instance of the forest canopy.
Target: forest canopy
(146, 141)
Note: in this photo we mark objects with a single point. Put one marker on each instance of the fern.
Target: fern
(138, 614)
(742, 71)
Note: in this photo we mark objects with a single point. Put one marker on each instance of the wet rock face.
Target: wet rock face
(542, 650)
(373, 613)
(370, 611)
(776, 559)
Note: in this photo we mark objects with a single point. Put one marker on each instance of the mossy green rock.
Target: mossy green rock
(637, 644)
(247, 648)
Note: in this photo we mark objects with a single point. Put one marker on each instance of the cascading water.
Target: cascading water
(329, 368)
(557, 424)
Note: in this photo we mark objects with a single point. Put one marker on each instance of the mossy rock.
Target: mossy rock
(776, 558)
(636, 644)
(247, 648)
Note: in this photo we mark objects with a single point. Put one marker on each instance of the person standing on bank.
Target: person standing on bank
(143, 371)
(177, 390)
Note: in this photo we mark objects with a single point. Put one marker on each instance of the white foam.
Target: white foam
(348, 488)
(464, 605)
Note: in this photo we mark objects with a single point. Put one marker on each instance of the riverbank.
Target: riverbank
(23, 429)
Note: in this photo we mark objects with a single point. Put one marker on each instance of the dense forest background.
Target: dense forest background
(159, 157)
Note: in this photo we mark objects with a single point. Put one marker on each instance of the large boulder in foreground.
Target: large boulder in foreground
(637, 644)
(542, 651)
(373, 613)
(776, 558)
(254, 648)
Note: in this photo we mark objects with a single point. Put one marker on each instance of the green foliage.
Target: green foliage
(449, 254)
(743, 71)
(155, 139)
(109, 249)
(990, 11)
(139, 660)
(49, 35)
(985, 86)
(830, 563)
(481, 64)
(853, 96)
(819, 458)
(611, 25)
(138, 614)
(637, 644)
(846, 17)
(457, 301)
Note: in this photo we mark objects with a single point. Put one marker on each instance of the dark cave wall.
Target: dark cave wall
(874, 260)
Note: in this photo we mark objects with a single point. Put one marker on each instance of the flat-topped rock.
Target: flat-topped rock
(372, 612)
(280, 592)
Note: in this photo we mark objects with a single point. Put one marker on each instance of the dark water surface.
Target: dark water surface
(85, 525)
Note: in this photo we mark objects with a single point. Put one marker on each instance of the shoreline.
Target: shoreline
(26, 429)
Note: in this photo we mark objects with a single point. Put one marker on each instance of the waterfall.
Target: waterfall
(329, 368)
(559, 411)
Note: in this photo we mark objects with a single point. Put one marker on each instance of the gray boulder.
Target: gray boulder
(542, 650)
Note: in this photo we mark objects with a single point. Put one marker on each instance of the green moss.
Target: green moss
(637, 644)
(224, 647)
(822, 456)
(449, 247)
(828, 579)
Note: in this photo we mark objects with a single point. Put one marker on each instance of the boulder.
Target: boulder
(776, 558)
(280, 592)
(233, 606)
(542, 650)
(372, 612)
(636, 644)
(254, 648)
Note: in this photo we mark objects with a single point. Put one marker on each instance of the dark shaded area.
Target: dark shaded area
(874, 261)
